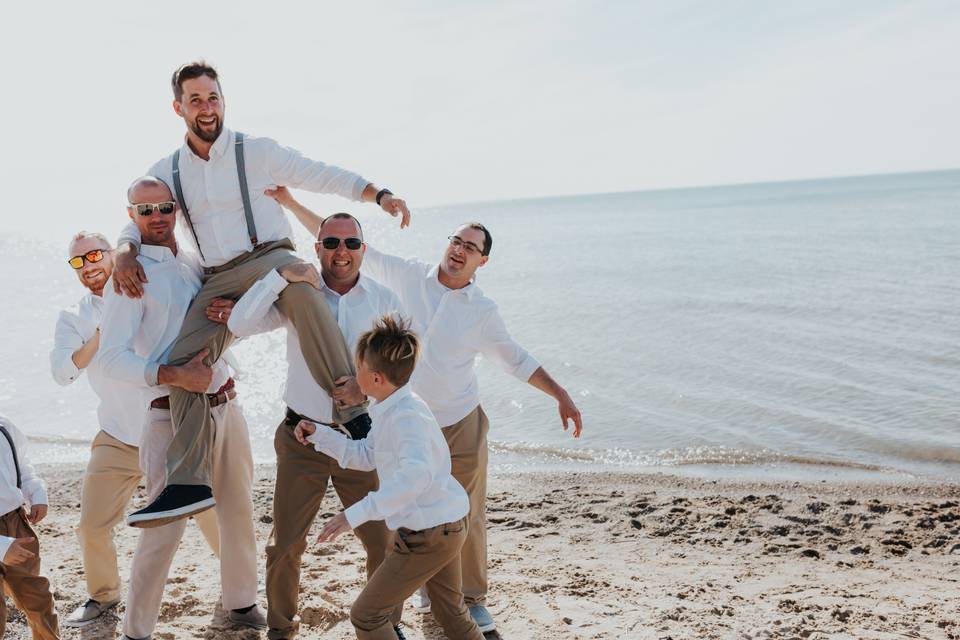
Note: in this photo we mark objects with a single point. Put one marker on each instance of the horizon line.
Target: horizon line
(689, 187)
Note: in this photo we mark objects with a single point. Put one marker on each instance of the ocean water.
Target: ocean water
(803, 329)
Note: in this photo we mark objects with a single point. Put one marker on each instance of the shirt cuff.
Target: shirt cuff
(151, 373)
(5, 543)
(358, 188)
(39, 497)
(69, 371)
(320, 439)
(358, 513)
(526, 369)
(275, 281)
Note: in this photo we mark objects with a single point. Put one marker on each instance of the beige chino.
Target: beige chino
(302, 477)
(233, 517)
(113, 474)
(30, 590)
(427, 557)
(322, 343)
(467, 440)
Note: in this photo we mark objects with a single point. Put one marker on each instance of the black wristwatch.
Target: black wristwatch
(382, 193)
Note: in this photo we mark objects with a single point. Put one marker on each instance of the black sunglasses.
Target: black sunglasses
(330, 243)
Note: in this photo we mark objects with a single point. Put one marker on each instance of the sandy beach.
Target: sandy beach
(614, 556)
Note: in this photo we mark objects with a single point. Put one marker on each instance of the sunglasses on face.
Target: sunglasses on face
(330, 243)
(147, 208)
(91, 256)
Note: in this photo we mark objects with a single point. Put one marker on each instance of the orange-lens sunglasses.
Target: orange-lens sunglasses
(92, 256)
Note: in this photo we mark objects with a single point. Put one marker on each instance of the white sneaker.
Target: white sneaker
(421, 601)
(88, 612)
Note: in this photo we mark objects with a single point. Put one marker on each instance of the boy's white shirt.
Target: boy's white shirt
(412, 460)
(34, 490)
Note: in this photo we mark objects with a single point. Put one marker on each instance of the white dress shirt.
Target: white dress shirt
(212, 193)
(33, 491)
(355, 311)
(412, 460)
(137, 333)
(119, 412)
(454, 326)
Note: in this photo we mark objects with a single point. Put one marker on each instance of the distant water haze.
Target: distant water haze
(802, 328)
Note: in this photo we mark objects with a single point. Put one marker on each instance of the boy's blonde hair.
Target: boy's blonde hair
(390, 348)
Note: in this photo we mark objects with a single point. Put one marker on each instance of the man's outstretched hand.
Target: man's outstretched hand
(128, 274)
(396, 206)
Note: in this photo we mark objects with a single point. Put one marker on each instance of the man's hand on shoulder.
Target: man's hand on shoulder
(301, 272)
(128, 274)
(396, 206)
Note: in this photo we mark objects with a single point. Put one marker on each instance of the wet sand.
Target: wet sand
(604, 555)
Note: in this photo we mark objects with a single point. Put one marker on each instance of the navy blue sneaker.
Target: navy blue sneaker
(175, 502)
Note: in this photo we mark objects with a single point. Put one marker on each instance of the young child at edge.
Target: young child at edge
(418, 498)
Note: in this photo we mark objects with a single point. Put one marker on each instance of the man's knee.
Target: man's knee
(298, 292)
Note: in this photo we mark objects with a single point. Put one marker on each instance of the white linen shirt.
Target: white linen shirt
(412, 460)
(119, 412)
(355, 311)
(138, 333)
(211, 191)
(34, 491)
(454, 326)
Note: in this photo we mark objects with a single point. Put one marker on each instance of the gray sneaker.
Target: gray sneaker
(483, 618)
(256, 618)
(87, 613)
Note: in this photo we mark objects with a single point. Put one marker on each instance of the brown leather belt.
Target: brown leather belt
(224, 393)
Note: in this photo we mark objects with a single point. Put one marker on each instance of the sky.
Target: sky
(448, 102)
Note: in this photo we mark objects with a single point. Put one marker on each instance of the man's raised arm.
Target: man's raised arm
(128, 274)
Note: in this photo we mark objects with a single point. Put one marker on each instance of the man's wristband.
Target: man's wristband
(382, 193)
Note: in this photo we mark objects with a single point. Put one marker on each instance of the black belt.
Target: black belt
(223, 394)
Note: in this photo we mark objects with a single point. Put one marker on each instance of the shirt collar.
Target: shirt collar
(362, 283)
(217, 150)
(156, 252)
(470, 290)
(378, 409)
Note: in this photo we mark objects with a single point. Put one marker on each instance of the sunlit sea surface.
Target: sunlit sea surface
(804, 329)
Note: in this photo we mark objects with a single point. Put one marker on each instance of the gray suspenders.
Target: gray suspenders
(244, 193)
(13, 451)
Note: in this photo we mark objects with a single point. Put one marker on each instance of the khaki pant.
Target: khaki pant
(30, 591)
(302, 478)
(233, 516)
(467, 440)
(112, 476)
(419, 557)
(322, 343)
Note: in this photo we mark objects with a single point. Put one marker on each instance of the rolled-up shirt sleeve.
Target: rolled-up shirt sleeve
(288, 167)
(497, 345)
(130, 233)
(349, 454)
(122, 317)
(255, 312)
(66, 340)
(32, 485)
(412, 476)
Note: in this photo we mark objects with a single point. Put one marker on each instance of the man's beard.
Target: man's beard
(204, 135)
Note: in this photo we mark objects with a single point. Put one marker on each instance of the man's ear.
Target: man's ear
(131, 214)
(483, 261)
(177, 108)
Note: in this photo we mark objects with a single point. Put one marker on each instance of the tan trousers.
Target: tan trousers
(233, 516)
(112, 476)
(322, 343)
(30, 591)
(467, 440)
(302, 477)
(419, 557)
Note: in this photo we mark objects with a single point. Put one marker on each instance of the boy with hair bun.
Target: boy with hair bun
(418, 497)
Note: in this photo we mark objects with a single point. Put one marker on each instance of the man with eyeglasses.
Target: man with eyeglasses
(137, 336)
(219, 178)
(457, 322)
(113, 472)
(356, 301)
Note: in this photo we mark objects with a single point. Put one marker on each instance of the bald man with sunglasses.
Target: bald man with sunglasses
(113, 472)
